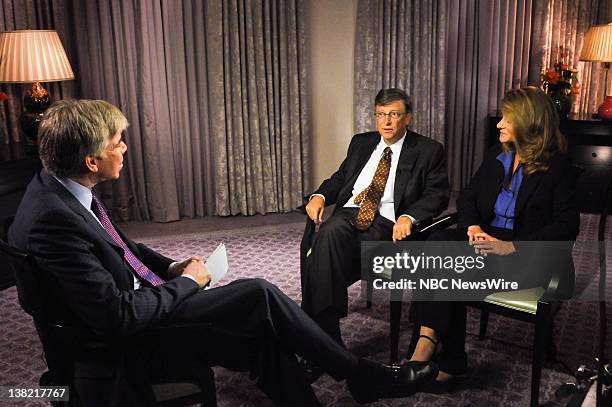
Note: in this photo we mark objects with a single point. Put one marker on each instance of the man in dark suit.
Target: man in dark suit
(389, 180)
(99, 282)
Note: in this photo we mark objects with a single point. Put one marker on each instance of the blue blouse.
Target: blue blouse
(506, 200)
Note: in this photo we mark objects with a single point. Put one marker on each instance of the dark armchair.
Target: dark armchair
(420, 232)
(69, 350)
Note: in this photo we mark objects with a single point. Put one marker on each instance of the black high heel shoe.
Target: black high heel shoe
(436, 386)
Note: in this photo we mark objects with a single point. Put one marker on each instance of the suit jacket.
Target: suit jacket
(546, 210)
(546, 207)
(89, 286)
(421, 182)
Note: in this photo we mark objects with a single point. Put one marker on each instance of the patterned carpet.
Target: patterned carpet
(500, 365)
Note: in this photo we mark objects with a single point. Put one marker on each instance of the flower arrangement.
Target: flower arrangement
(560, 78)
(3, 96)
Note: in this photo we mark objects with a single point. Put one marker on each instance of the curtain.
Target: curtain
(259, 118)
(566, 22)
(214, 92)
(391, 36)
(488, 54)
(483, 48)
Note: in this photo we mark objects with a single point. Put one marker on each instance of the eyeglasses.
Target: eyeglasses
(393, 114)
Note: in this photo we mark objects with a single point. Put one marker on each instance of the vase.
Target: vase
(562, 102)
(605, 110)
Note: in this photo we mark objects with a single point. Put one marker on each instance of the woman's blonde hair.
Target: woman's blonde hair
(535, 122)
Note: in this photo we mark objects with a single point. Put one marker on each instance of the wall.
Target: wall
(331, 26)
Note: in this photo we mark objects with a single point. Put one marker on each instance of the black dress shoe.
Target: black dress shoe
(443, 387)
(312, 372)
(373, 381)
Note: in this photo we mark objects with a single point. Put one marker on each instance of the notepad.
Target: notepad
(217, 264)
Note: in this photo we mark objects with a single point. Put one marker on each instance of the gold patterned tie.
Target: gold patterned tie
(370, 197)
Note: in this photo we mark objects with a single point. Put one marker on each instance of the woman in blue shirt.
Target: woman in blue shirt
(523, 191)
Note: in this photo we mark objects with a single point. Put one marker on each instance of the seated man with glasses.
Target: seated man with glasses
(391, 179)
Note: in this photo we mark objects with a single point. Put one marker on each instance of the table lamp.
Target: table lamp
(597, 47)
(36, 56)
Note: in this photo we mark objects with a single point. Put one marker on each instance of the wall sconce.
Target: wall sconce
(36, 56)
(597, 47)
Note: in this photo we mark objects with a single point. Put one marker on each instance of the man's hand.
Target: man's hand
(194, 267)
(177, 269)
(486, 244)
(402, 229)
(315, 209)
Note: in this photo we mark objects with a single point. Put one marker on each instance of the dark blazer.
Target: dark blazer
(546, 207)
(421, 182)
(88, 287)
(95, 286)
(546, 211)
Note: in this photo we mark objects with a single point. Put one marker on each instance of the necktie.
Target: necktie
(140, 269)
(370, 197)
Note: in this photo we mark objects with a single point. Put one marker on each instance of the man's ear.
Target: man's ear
(91, 163)
(408, 118)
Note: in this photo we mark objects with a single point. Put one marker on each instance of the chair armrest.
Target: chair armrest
(434, 224)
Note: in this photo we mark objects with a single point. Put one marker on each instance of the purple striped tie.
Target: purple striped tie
(140, 269)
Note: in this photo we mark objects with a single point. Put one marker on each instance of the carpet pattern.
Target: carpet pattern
(500, 365)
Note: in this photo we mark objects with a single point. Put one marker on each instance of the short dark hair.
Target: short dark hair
(70, 130)
(386, 96)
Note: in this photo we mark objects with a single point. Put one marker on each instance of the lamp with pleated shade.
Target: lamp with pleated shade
(36, 56)
(597, 47)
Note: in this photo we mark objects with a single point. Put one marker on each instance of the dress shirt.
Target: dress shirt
(84, 196)
(506, 200)
(386, 207)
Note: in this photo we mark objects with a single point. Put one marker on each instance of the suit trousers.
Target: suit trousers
(256, 328)
(334, 263)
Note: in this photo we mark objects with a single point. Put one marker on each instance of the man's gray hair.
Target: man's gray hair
(73, 129)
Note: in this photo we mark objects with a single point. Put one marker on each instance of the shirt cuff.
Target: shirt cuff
(189, 277)
(313, 195)
(410, 217)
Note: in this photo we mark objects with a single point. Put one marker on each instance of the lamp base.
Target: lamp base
(35, 101)
(605, 110)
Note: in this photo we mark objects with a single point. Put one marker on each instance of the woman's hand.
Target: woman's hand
(486, 244)
(472, 231)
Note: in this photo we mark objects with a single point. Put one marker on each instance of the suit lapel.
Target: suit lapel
(405, 165)
(361, 158)
(528, 186)
(76, 206)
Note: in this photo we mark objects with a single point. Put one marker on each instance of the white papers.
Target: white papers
(217, 264)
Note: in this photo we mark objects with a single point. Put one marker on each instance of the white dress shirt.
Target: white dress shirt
(386, 207)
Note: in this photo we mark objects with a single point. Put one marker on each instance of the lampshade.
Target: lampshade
(597, 46)
(33, 56)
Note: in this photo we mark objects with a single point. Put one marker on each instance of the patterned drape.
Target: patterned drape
(390, 37)
(459, 62)
(214, 92)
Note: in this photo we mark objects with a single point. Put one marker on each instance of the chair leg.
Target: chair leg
(209, 389)
(540, 340)
(369, 290)
(484, 321)
(395, 315)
